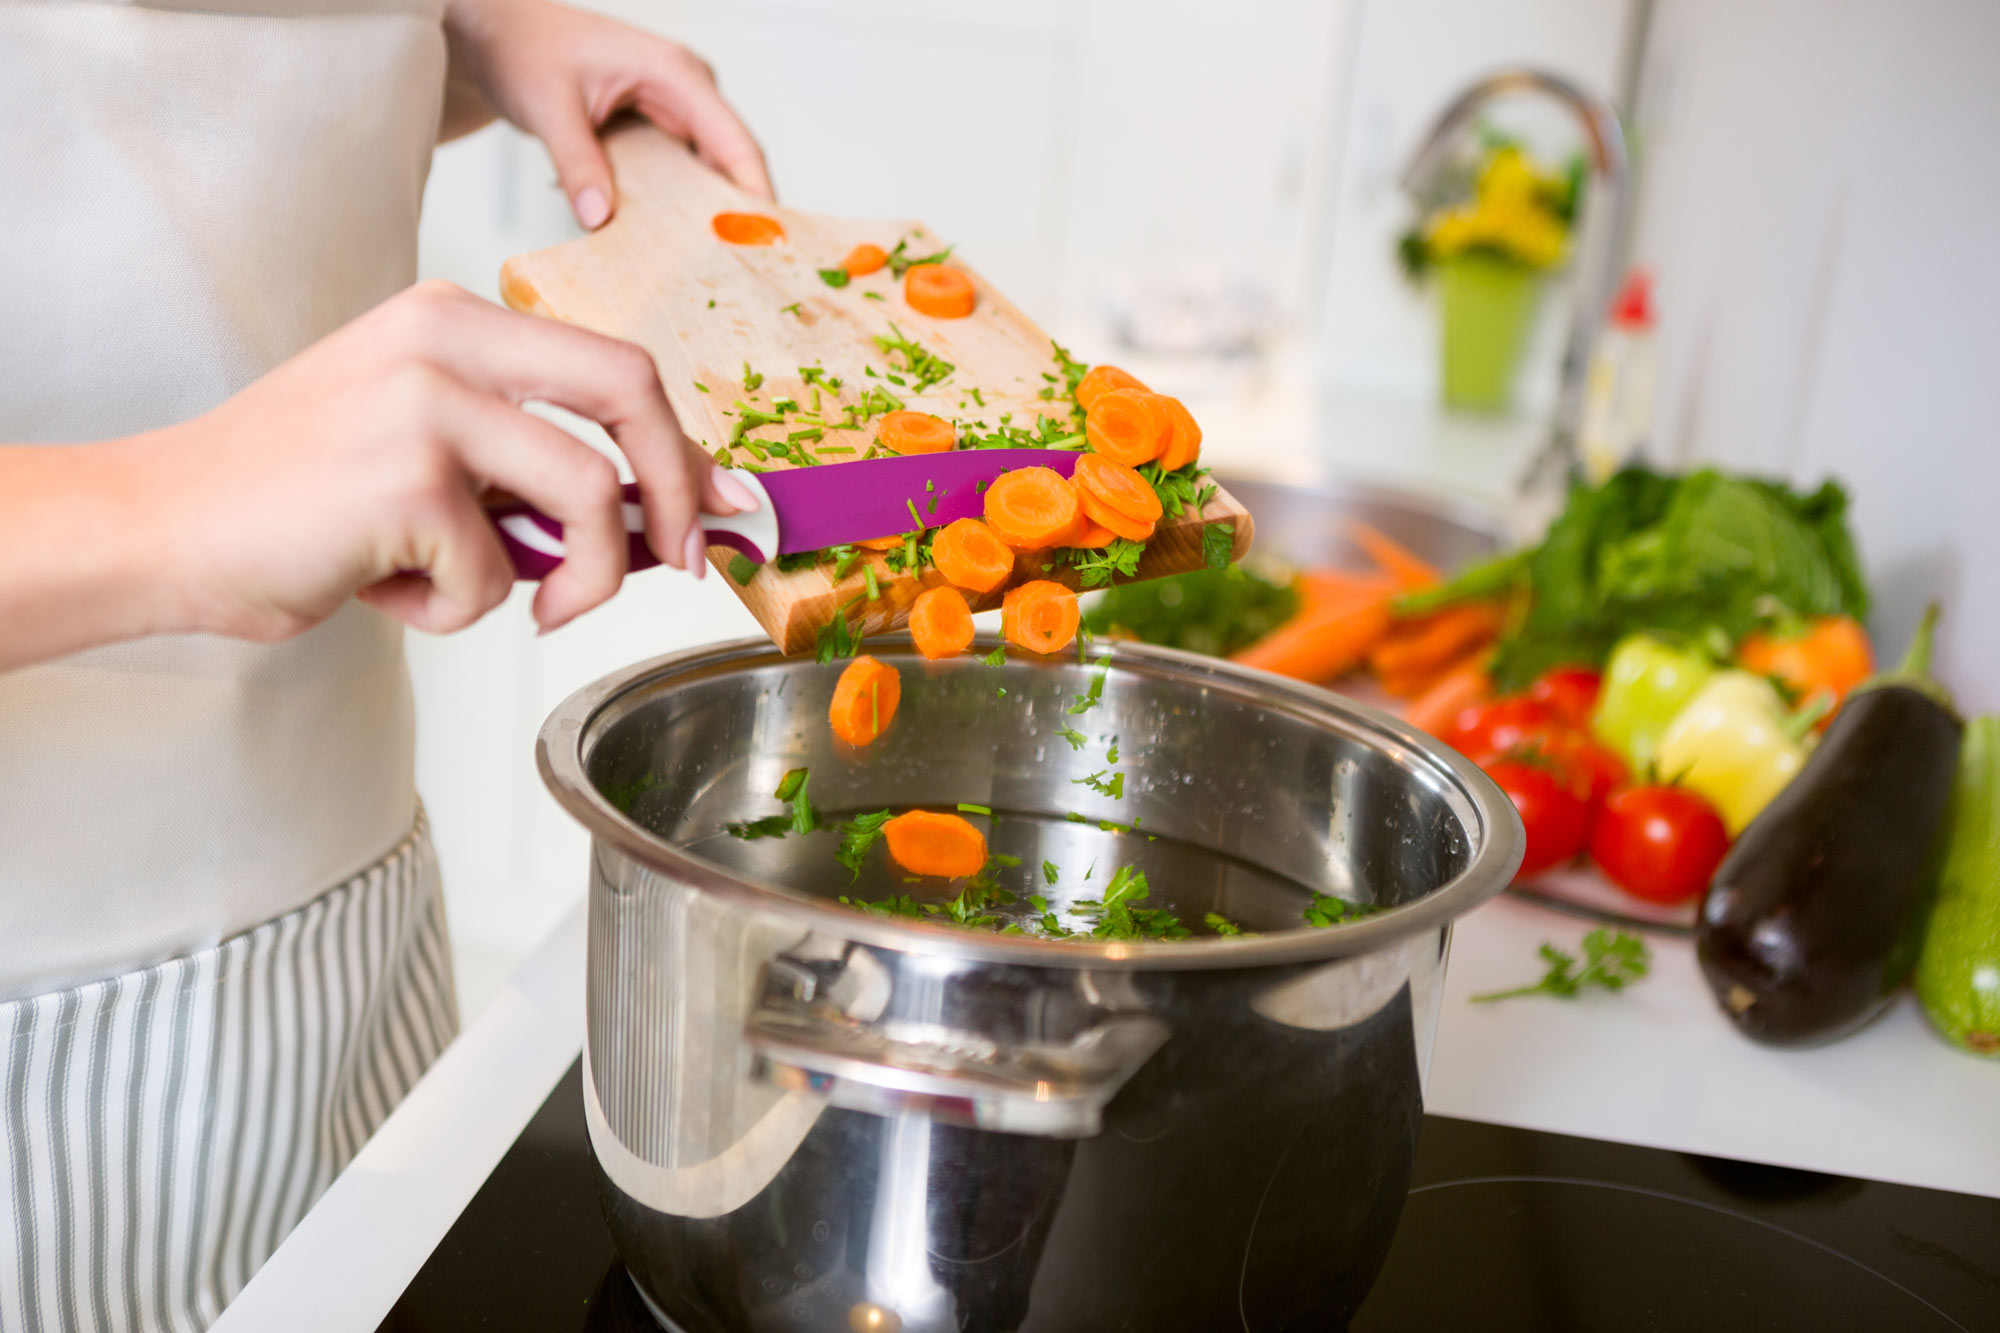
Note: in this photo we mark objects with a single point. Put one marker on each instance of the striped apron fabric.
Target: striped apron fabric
(161, 1131)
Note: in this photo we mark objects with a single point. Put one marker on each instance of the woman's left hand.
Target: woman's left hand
(560, 73)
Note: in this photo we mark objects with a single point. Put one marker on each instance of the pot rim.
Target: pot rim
(1493, 822)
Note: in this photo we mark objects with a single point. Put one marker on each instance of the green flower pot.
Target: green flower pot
(1489, 308)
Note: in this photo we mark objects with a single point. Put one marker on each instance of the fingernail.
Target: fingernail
(697, 553)
(734, 491)
(592, 208)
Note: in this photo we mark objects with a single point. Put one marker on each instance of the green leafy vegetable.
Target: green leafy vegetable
(1050, 873)
(1611, 960)
(1205, 611)
(1221, 924)
(1077, 740)
(1089, 699)
(751, 380)
(998, 657)
(901, 261)
(896, 904)
(742, 568)
(1118, 918)
(1694, 556)
(833, 277)
(771, 826)
(925, 367)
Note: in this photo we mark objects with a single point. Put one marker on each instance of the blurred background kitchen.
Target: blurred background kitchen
(1212, 195)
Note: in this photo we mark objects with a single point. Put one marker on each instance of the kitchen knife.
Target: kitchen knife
(806, 508)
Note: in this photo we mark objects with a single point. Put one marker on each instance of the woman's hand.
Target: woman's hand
(355, 468)
(560, 73)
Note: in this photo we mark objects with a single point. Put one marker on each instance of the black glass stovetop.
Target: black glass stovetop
(1504, 1230)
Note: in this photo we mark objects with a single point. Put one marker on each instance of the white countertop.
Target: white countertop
(1655, 1065)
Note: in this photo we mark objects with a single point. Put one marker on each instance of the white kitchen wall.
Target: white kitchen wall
(1822, 184)
(1067, 147)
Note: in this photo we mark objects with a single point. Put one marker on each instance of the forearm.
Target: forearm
(467, 107)
(80, 564)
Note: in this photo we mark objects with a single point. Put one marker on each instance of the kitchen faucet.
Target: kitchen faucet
(1546, 479)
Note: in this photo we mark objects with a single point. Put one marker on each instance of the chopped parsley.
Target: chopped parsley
(792, 309)
(1077, 740)
(751, 380)
(1221, 924)
(901, 261)
(742, 568)
(857, 835)
(1095, 569)
(1611, 960)
(1218, 543)
(1050, 874)
(968, 808)
(920, 364)
(833, 277)
(1113, 786)
(998, 657)
(1089, 699)
(837, 637)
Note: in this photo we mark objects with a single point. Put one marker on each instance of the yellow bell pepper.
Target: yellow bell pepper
(1734, 744)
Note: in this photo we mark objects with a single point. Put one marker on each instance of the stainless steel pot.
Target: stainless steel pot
(810, 1117)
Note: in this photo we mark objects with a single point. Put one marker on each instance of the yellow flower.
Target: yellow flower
(1509, 213)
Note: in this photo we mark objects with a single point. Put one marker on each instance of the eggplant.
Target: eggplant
(1815, 917)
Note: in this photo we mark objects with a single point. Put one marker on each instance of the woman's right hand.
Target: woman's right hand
(358, 467)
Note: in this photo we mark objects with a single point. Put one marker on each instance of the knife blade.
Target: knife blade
(806, 508)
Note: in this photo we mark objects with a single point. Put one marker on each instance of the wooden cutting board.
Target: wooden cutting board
(657, 275)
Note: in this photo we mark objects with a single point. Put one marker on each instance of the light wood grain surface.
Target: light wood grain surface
(657, 275)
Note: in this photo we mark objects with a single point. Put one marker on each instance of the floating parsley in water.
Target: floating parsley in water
(1221, 924)
(1113, 786)
(1611, 960)
(857, 835)
(802, 819)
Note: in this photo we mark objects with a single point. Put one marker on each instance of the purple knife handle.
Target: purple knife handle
(534, 541)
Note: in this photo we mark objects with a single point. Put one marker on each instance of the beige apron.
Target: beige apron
(222, 951)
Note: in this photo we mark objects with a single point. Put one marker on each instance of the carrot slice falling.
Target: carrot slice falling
(1040, 616)
(748, 229)
(864, 259)
(926, 842)
(941, 623)
(937, 291)
(971, 555)
(1119, 486)
(864, 700)
(1127, 426)
(1101, 379)
(1183, 436)
(1033, 504)
(915, 433)
(1122, 525)
(1397, 560)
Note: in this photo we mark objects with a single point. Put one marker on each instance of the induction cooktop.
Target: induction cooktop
(1504, 1229)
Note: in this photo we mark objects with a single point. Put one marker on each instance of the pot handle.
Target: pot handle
(802, 1036)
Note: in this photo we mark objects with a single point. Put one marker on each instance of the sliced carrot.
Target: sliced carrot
(1183, 436)
(1127, 426)
(748, 229)
(1425, 645)
(915, 433)
(1323, 585)
(1092, 537)
(972, 555)
(864, 259)
(927, 842)
(1122, 525)
(1451, 694)
(941, 622)
(881, 543)
(937, 291)
(1320, 642)
(1035, 504)
(1119, 486)
(1397, 560)
(1100, 379)
(864, 700)
(1040, 616)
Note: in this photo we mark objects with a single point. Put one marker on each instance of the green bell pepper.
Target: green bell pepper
(1734, 743)
(1646, 682)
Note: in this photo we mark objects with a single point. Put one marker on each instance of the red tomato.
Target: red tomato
(1659, 843)
(1496, 727)
(1557, 821)
(1569, 692)
(1593, 769)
